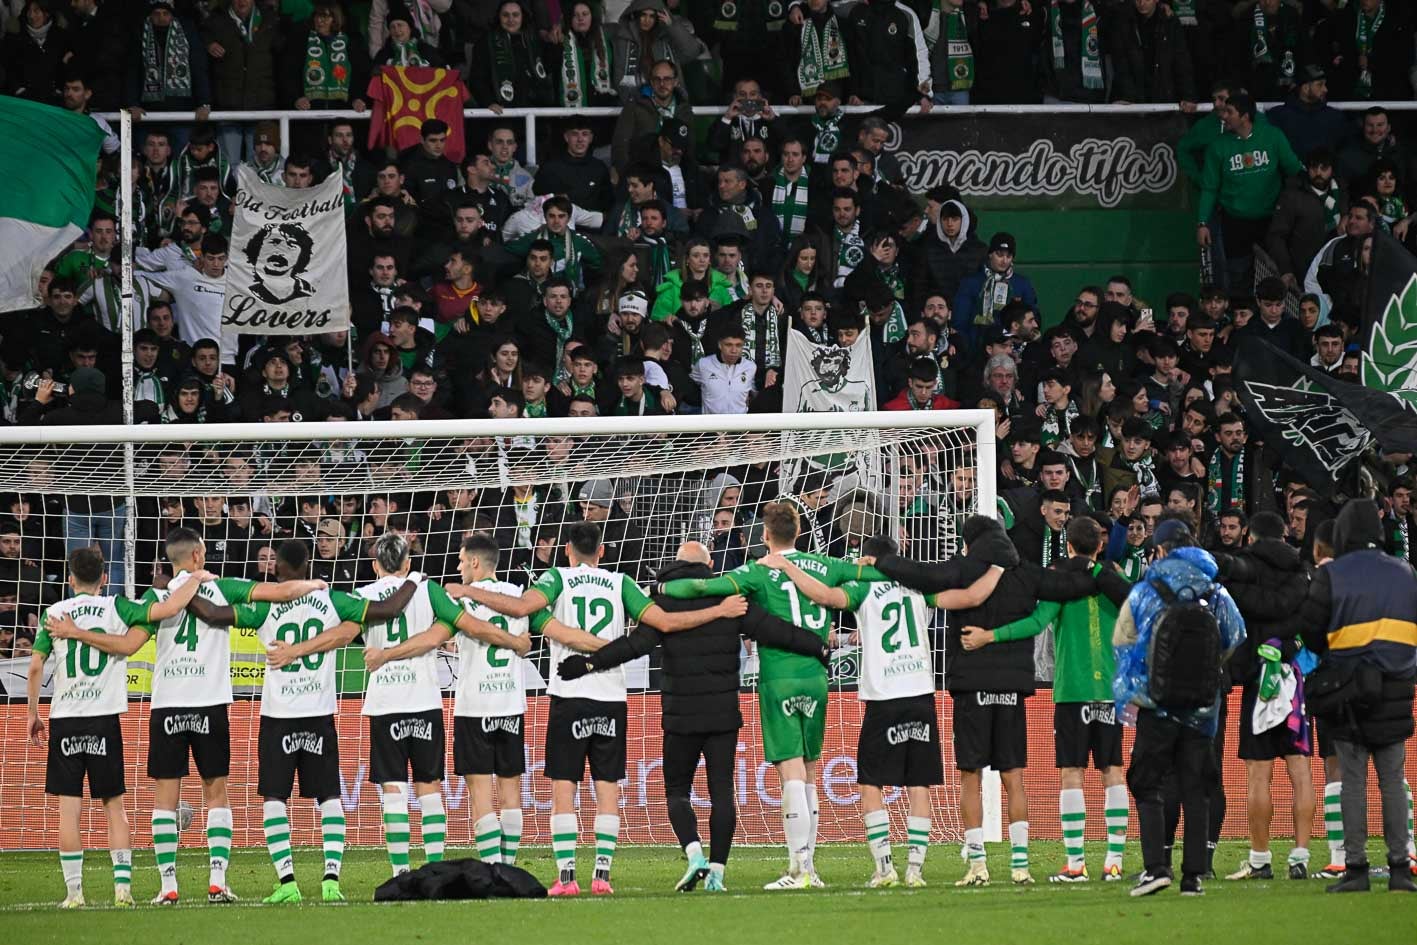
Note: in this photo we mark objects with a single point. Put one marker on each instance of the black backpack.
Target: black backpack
(1185, 656)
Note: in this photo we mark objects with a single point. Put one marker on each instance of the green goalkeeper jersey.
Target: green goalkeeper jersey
(774, 591)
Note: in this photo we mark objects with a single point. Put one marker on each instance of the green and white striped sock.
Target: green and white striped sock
(276, 821)
(1115, 812)
(607, 834)
(878, 839)
(1407, 789)
(1333, 823)
(917, 834)
(332, 828)
(563, 844)
(1072, 813)
(1018, 845)
(122, 870)
(396, 829)
(974, 845)
(72, 865)
(511, 834)
(165, 848)
(487, 835)
(219, 843)
(434, 825)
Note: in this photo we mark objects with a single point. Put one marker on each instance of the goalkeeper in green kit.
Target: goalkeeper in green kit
(792, 689)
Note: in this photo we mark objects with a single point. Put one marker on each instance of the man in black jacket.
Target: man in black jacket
(988, 686)
(1269, 583)
(702, 714)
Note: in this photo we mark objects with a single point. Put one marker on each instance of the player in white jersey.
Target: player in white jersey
(191, 692)
(298, 702)
(898, 744)
(403, 702)
(587, 716)
(90, 638)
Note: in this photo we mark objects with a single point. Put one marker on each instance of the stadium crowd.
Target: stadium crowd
(662, 275)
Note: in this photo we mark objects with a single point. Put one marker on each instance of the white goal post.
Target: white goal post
(248, 486)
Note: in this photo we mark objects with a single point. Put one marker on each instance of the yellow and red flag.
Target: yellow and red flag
(405, 97)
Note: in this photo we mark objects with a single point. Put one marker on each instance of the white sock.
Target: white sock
(1115, 812)
(219, 843)
(563, 843)
(434, 825)
(917, 833)
(974, 845)
(332, 828)
(1072, 813)
(73, 866)
(1333, 823)
(395, 804)
(165, 847)
(1260, 858)
(694, 850)
(1018, 845)
(607, 835)
(487, 836)
(796, 822)
(1299, 855)
(716, 868)
(275, 821)
(878, 839)
(511, 834)
(813, 818)
(1411, 846)
(122, 870)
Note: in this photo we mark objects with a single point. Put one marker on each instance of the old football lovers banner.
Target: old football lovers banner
(828, 378)
(286, 274)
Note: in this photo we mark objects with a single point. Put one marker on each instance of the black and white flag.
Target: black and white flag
(286, 274)
(828, 378)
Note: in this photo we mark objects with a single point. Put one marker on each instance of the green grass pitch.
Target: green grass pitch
(645, 909)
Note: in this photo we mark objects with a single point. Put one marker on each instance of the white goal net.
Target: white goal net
(655, 483)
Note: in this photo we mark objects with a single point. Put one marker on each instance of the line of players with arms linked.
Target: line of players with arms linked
(783, 601)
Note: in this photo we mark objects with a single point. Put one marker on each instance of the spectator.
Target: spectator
(649, 35)
(242, 47)
(1368, 48)
(1150, 57)
(749, 116)
(1307, 215)
(740, 209)
(329, 69)
(1006, 54)
(952, 32)
(34, 55)
(982, 296)
(98, 41)
(817, 52)
(891, 65)
(1073, 68)
(510, 71)
(405, 40)
(585, 63)
(577, 173)
(1306, 119)
(646, 114)
(726, 379)
(1376, 141)
(167, 70)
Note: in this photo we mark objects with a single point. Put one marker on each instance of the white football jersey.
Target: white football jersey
(895, 640)
(596, 601)
(193, 667)
(87, 681)
(305, 687)
(490, 677)
(401, 686)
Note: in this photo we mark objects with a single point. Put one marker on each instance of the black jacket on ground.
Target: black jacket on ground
(700, 672)
(1003, 667)
(1269, 584)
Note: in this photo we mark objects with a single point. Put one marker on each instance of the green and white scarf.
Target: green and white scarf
(148, 386)
(1365, 32)
(737, 283)
(772, 336)
(994, 296)
(1145, 471)
(660, 261)
(269, 173)
(1090, 49)
(565, 254)
(1402, 541)
(536, 409)
(327, 67)
(895, 327)
(247, 27)
(167, 73)
(828, 137)
(1330, 201)
(893, 279)
(345, 165)
(1215, 476)
(1056, 425)
(696, 333)
(1133, 564)
(1392, 208)
(562, 328)
(98, 282)
(1091, 480)
(744, 212)
(573, 69)
(422, 15)
(1185, 11)
(407, 54)
(958, 51)
(185, 169)
(850, 252)
(1050, 538)
(823, 55)
(1260, 52)
(504, 66)
(789, 203)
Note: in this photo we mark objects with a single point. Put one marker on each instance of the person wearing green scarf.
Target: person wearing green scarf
(587, 64)
(1368, 18)
(511, 72)
(951, 34)
(326, 66)
(1275, 33)
(571, 254)
(821, 50)
(1073, 64)
(403, 47)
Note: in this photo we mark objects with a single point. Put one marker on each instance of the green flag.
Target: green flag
(48, 162)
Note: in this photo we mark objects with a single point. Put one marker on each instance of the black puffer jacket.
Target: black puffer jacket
(700, 672)
(1003, 667)
(1269, 584)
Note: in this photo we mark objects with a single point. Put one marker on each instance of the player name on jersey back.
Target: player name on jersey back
(408, 685)
(193, 665)
(490, 679)
(305, 687)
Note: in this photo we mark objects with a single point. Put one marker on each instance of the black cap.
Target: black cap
(676, 132)
(1311, 73)
(995, 335)
(1004, 241)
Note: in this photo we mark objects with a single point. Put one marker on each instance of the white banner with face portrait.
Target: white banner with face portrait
(286, 274)
(828, 378)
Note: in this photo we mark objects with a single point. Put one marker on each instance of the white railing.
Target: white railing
(530, 116)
